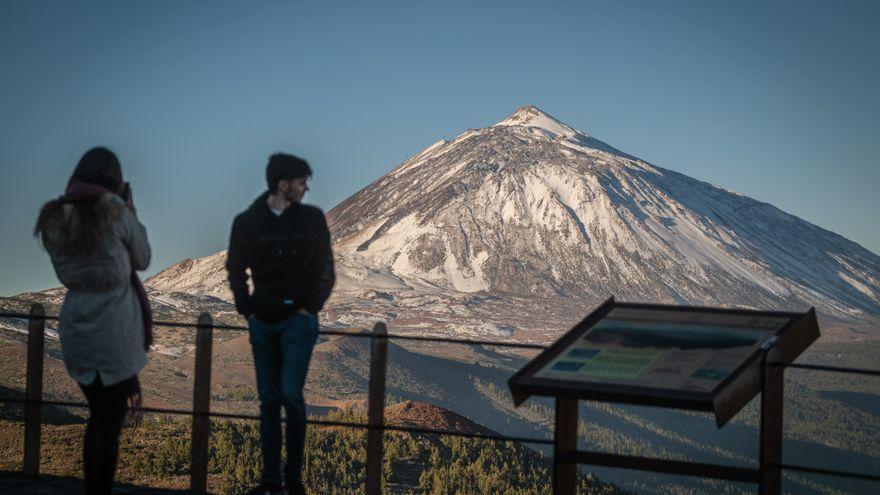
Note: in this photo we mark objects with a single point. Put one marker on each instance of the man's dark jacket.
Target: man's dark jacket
(289, 257)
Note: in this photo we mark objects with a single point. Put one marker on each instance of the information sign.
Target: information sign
(673, 356)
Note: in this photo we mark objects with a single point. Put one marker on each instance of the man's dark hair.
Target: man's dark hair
(283, 166)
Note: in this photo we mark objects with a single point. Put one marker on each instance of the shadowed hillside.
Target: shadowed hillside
(157, 454)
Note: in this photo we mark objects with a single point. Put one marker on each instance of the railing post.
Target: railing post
(564, 442)
(33, 411)
(201, 426)
(770, 453)
(376, 408)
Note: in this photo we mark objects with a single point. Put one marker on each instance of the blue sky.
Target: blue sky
(775, 100)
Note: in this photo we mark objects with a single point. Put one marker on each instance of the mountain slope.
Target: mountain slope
(534, 208)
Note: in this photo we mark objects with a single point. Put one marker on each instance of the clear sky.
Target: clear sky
(775, 100)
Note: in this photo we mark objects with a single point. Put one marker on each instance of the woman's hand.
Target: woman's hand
(129, 198)
(135, 401)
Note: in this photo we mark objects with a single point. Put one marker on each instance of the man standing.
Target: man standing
(286, 246)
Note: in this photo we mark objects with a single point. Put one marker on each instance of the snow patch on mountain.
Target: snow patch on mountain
(199, 276)
(481, 330)
(532, 117)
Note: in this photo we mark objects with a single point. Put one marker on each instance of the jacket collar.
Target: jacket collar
(261, 207)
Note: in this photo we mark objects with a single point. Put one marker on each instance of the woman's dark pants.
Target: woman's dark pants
(107, 406)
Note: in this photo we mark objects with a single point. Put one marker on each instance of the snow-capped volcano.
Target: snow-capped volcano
(531, 206)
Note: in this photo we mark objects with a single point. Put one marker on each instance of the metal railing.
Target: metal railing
(375, 425)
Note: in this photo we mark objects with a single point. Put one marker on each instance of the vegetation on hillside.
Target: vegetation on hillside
(157, 453)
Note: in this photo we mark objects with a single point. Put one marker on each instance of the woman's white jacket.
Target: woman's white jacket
(100, 324)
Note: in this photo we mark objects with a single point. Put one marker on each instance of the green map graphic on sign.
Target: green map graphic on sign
(606, 363)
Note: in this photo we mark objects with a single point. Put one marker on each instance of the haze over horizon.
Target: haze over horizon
(774, 102)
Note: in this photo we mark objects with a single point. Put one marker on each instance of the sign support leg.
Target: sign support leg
(565, 441)
(770, 456)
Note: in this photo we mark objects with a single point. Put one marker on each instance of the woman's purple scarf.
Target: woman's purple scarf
(84, 191)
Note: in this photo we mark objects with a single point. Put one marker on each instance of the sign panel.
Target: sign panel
(662, 349)
(705, 359)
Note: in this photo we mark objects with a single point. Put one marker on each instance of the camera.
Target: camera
(126, 192)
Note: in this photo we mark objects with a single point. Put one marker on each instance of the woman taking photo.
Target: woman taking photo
(96, 244)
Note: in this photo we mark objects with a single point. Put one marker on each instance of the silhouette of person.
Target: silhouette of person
(96, 244)
(286, 246)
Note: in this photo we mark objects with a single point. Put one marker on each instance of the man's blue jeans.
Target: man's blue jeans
(282, 352)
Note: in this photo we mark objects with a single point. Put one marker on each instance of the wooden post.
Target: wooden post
(33, 412)
(770, 454)
(564, 442)
(376, 408)
(201, 425)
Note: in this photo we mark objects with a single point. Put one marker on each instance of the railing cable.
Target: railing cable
(425, 338)
(321, 422)
(830, 472)
(834, 369)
